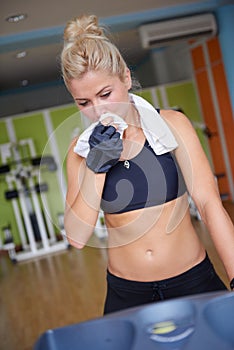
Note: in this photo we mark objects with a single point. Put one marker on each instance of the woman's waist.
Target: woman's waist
(151, 259)
(202, 265)
(150, 228)
(166, 217)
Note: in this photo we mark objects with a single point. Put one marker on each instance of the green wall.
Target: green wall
(33, 126)
(6, 211)
(184, 97)
(3, 133)
(65, 121)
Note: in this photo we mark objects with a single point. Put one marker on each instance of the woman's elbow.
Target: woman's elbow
(74, 239)
(77, 233)
(212, 206)
(74, 243)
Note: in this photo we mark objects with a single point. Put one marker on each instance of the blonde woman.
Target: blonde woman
(139, 165)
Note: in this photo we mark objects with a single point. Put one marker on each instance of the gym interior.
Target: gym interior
(45, 283)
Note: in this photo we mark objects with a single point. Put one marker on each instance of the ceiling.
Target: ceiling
(38, 38)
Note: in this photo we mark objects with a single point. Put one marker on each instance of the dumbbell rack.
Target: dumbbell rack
(24, 196)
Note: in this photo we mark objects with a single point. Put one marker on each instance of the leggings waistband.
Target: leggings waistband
(201, 267)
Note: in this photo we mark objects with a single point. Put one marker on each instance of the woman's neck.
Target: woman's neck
(133, 117)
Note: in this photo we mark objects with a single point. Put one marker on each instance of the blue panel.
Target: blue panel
(225, 16)
(203, 322)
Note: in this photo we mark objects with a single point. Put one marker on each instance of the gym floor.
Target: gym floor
(61, 289)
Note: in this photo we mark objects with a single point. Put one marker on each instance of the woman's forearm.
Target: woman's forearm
(221, 230)
(81, 216)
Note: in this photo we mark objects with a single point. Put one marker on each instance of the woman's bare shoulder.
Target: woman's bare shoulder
(175, 118)
(179, 123)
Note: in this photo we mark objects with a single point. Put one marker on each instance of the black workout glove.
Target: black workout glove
(105, 148)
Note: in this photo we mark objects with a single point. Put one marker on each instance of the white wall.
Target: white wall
(34, 99)
(166, 65)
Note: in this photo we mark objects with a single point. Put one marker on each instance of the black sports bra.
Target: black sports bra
(149, 180)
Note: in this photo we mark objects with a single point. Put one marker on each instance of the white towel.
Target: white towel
(156, 130)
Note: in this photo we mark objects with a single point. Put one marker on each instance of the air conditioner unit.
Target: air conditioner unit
(185, 28)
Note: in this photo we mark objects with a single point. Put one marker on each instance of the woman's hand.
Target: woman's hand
(105, 148)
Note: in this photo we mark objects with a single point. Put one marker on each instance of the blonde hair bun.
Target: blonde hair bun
(88, 47)
(83, 27)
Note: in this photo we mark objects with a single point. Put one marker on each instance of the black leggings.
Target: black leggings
(122, 293)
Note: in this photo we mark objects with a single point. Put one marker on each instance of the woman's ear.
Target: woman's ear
(128, 79)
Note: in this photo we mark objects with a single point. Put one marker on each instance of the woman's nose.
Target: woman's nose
(95, 110)
(99, 109)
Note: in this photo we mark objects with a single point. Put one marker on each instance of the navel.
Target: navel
(149, 252)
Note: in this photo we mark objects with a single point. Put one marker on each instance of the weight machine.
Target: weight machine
(27, 194)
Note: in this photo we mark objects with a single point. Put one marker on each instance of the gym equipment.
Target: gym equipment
(8, 243)
(21, 175)
(193, 209)
(203, 321)
(4, 169)
(15, 194)
(100, 229)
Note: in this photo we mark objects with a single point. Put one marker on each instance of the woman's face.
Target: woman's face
(98, 92)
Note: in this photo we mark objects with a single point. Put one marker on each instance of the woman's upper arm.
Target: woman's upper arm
(193, 162)
(74, 167)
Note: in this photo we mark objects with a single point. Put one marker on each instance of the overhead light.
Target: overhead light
(21, 54)
(16, 18)
(24, 82)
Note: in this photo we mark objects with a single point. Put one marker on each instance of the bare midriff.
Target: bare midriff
(153, 243)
